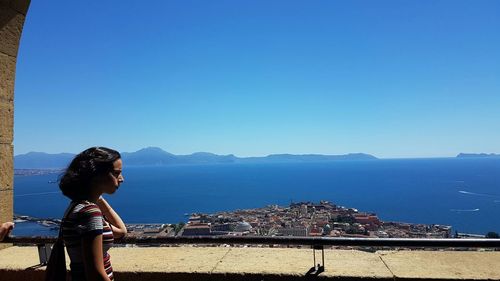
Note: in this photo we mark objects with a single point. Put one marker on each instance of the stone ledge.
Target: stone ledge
(443, 264)
(210, 263)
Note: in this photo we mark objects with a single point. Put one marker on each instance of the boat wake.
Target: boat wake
(478, 194)
(464, 210)
(34, 194)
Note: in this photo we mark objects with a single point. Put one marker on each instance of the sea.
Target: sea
(461, 192)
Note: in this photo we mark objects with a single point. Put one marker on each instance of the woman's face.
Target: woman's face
(115, 178)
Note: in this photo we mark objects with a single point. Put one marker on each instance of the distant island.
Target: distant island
(154, 156)
(478, 155)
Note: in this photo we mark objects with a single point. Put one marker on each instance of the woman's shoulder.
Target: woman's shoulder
(86, 208)
(86, 217)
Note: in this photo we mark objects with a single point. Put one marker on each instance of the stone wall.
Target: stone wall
(12, 16)
(186, 263)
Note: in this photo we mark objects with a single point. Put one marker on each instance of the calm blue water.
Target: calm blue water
(464, 193)
(33, 228)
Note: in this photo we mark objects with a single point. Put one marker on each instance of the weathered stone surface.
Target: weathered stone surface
(297, 262)
(12, 16)
(175, 259)
(207, 263)
(11, 25)
(266, 261)
(354, 264)
(7, 76)
(6, 169)
(6, 210)
(443, 264)
(6, 205)
(20, 6)
(7, 122)
(18, 257)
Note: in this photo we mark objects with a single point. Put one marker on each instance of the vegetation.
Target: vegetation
(492, 234)
(178, 227)
(344, 219)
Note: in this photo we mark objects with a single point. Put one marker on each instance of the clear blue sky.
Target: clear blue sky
(390, 78)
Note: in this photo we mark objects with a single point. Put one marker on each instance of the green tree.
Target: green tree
(492, 234)
(178, 227)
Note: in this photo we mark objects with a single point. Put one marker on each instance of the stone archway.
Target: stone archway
(12, 16)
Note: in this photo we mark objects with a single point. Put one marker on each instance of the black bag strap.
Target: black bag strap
(56, 267)
(72, 206)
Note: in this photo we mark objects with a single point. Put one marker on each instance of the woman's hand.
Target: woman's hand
(5, 229)
(119, 228)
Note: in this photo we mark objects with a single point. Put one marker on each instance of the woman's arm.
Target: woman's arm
(119, 228)
(93, 258)
(5, 228)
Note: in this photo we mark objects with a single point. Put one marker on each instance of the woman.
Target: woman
(90, 224)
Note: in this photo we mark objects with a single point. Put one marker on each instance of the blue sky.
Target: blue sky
(390, 78)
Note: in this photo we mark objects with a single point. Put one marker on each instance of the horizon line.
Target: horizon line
(286, 153)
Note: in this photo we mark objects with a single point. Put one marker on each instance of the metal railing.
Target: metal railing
(282, 240)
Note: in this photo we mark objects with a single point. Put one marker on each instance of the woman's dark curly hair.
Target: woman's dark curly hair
(84, 168)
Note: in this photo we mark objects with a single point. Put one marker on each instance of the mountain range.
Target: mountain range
(476, 155)
(154, 156)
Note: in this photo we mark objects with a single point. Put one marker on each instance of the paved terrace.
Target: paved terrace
(220, 263)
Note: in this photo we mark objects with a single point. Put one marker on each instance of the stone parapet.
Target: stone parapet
(219, 263)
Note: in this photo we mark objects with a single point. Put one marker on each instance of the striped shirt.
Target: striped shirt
(84, 220)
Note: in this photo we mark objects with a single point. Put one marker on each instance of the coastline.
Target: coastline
(299, 219)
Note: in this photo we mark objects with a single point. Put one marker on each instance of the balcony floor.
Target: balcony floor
(217, 263)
